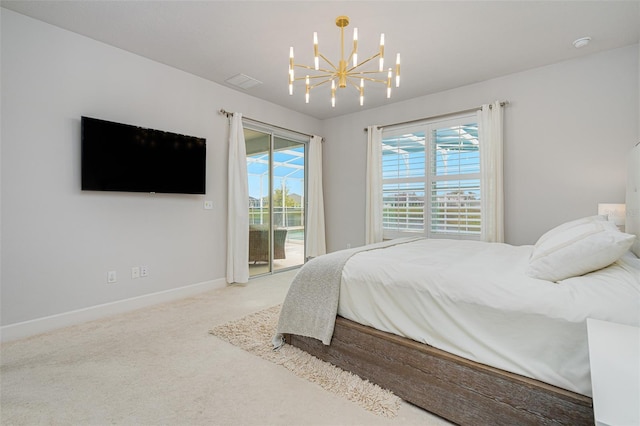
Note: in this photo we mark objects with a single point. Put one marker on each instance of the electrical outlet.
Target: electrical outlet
(144, 271)
(135, 272)
(112, 277)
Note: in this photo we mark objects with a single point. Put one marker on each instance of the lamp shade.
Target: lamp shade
(615, 213)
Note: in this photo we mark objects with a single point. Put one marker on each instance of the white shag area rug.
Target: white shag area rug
(254, 332)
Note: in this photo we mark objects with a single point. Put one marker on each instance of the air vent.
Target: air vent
(243, 81)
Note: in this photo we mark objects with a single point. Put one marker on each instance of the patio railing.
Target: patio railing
(283, 217)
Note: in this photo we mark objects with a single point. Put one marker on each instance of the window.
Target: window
(431, 179)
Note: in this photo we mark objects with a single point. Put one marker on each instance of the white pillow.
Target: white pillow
(576, 248)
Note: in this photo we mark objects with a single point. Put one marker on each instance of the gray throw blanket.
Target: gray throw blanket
(311, 305)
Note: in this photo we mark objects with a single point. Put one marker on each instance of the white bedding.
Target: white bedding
(483, 307)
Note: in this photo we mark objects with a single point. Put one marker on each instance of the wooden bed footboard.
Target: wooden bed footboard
(459, 390)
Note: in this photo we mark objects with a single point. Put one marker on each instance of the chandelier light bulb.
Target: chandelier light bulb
(316, 60)
(381, 65)
(398, 70)
(291, 72)
(291, 80)
(333, 93)
(361, 91)
(306, 96)
(355, 47)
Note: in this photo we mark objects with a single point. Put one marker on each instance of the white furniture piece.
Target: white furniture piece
(614, 355)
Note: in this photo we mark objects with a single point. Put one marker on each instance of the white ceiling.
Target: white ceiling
(444, 44)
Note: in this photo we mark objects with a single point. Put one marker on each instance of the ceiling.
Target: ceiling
(444, 44)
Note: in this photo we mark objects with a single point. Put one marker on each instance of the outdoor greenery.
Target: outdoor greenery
(289, 201)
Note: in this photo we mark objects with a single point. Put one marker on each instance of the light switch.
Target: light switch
(208, 205)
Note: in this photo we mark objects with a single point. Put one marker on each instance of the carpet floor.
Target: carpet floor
(160, 366)
(254, 334)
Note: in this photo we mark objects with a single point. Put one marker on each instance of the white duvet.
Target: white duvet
(482, 306)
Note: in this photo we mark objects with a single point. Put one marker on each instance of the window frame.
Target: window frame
(428, 127)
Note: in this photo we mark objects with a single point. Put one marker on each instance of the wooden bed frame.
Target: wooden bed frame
(459, 390)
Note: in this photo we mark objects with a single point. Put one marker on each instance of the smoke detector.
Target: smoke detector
(581, 42)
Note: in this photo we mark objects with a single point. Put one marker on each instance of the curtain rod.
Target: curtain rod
(227, 113)
(502, 103)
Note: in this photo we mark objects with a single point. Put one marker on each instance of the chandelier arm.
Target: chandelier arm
(366, 72)
(327, 61)
(357, 86)
(328, 76)
(353, 52)
(304, 66)
(364, 62)
(327, 71)
(320, 83)
(324, 70)
(375, 80)
(350, 57)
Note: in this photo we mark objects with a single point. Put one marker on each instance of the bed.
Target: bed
(477, 333)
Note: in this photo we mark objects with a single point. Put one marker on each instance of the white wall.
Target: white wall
(568, 130)
(58, 242)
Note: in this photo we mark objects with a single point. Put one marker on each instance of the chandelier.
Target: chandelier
(343, 74)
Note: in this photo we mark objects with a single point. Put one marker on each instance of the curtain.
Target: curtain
(237, 205)
(373, 213)
(491, 186)
(315, 235)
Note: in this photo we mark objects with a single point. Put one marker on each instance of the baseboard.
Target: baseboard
(42, 325)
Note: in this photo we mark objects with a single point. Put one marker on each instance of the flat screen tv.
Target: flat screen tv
(121, 157)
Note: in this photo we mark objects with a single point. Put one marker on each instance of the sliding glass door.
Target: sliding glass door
(276, 176)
